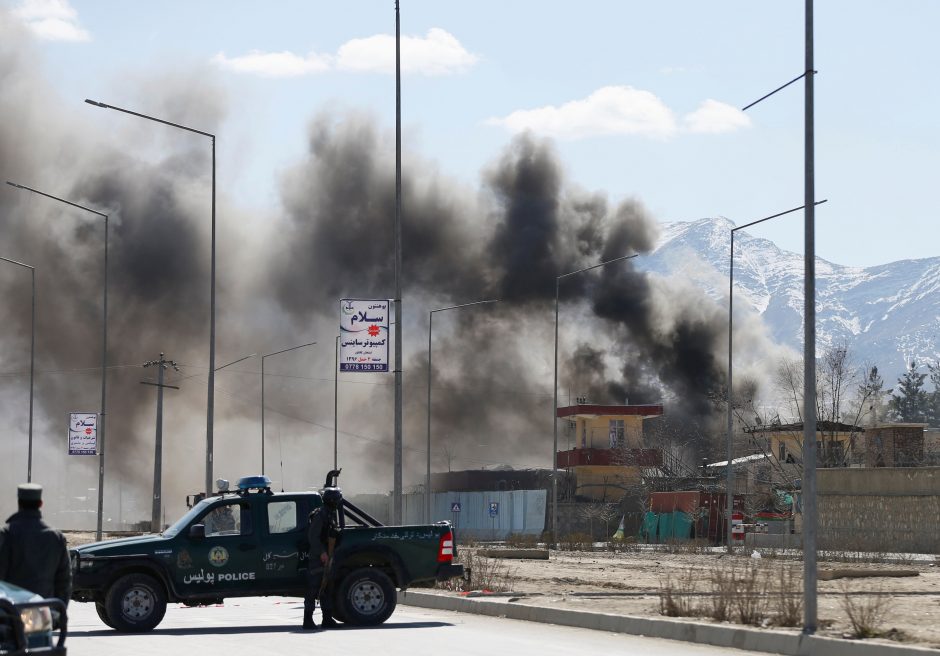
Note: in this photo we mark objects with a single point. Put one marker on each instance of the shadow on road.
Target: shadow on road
(397, 625)
(235, 630)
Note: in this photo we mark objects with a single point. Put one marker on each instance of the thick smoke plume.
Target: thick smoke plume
(625, 336)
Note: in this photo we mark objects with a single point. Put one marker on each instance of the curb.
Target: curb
(717, 635)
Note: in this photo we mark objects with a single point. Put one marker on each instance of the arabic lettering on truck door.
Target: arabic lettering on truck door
(226, 559)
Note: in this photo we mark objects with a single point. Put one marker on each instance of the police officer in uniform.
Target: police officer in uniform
(322, 534)
(34, 555)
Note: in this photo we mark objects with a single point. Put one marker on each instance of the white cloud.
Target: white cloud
(608, 111)
(716, 117)
(274, 64)
(622, 110)
(438, 53)
(52, 20)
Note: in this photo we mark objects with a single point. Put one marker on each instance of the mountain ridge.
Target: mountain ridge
(887, 314)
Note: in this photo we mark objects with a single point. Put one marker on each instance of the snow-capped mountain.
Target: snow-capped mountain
(886, 314)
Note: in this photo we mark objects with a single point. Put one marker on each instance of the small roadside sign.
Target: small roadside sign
(455, 507)
(494, 508)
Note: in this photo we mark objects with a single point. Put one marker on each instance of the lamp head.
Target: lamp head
(96, 103)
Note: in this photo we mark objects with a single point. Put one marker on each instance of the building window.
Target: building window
(616, 433)
(782, 452)
(583, 434)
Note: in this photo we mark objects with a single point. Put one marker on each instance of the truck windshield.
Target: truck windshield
(181, 523)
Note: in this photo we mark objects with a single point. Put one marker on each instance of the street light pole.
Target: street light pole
(729, 481)
(292, 348)
(397, 457)
(104, 348)
(427, 480)
(32, 357)
(210, 403)
(808, 483)
(336, 406)
(555, 394)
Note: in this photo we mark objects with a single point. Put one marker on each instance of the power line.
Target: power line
(76, 371)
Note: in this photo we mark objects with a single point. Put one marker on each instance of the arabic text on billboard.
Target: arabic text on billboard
(83, 434)
(363, 330)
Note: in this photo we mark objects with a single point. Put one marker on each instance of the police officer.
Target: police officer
(34, 555)
(322, 533)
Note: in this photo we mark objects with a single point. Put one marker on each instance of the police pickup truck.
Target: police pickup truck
(253, 542)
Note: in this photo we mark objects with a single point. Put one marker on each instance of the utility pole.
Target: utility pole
(162, 364)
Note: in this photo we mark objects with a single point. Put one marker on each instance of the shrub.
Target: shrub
(867, 612)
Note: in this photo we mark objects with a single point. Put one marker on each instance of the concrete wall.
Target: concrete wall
(883, 509)
(605, 482)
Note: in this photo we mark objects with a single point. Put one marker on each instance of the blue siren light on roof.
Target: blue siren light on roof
(254, 482)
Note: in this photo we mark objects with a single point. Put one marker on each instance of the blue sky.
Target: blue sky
(640, 98)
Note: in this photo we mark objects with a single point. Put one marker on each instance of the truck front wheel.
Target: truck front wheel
(367, 597)
(103, 614)
(135, 603)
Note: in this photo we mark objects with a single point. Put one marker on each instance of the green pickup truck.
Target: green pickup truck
(253, 542)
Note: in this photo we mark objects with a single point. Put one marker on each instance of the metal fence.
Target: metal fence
(481, 515)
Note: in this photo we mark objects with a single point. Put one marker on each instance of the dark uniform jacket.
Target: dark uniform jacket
(322, 527)
(34, 556)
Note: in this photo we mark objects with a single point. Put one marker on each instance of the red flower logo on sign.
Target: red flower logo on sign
(373, 331)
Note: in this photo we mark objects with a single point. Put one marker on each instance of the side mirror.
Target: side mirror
(197, 531)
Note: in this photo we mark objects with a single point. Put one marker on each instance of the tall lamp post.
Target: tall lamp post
(555, 394)
(32, 358)
(292, 348)
(397, 450)
(336, 406)
(104, 347)
(729, 442)
(808, 483)
(210, 404)
(427, 480)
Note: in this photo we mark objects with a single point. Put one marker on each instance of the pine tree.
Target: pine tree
(911, 403)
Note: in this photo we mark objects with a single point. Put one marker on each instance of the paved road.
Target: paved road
(270, 626)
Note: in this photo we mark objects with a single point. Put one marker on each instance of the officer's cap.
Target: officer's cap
(29, 492)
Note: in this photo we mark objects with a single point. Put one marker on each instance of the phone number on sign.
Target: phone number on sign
(355, 366)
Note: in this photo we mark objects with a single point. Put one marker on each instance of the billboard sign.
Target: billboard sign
(363, 335)
(83, 434)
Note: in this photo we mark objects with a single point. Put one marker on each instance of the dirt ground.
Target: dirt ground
(629, 583)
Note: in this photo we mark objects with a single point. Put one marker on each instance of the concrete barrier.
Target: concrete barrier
(773, 641)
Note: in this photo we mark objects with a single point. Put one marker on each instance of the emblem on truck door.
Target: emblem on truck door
(218, 556)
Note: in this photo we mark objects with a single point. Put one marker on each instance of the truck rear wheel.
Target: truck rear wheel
(135, 603)
(367, 597)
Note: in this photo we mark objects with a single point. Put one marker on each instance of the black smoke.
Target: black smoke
(625, 337)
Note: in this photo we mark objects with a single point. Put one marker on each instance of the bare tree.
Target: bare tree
(590, 512)
(788, 380)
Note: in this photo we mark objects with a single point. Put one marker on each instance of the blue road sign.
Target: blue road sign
(455, 506)
(494, 508)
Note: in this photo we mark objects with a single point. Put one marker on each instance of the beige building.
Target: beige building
(837, 444)
(607, 455)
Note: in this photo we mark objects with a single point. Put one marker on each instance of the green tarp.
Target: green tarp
(666, 526)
